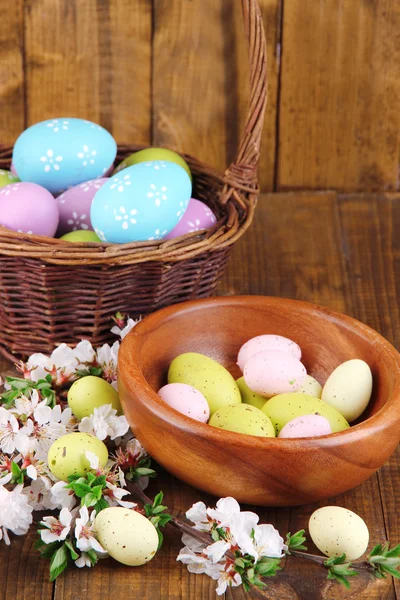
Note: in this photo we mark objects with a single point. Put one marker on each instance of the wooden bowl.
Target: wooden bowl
(260, 471)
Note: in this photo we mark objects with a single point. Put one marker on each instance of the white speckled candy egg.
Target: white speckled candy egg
(349, 388)
(274, 372)
(336, 530)
(197, 216)
(186, 400)
(306, 426)
(261, 343)
(7, 177)
(127, 535)
(28, 208)
(60, 153)
(74, 206)
(311, 387)
(142, 202)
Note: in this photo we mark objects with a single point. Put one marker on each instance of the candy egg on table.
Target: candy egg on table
(197, 216)
(261, 343)
(142, 202)
(67, 455)
(249, 397)
(243, 418)
(349, 388)
(74, 205)
(59, 153)
(90, 392)
(311, 387)
(336, 530)
(206, 375)
(28, 208)
(273, 372)
(283, 408)
(7, 177)
(306, 426)
(81, 236)
(149, 154)
(187, 400)
(128, 536)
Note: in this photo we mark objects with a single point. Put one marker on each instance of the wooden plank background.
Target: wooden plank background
(174, 72)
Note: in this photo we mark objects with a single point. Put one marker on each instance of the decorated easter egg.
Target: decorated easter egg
(206, 375)
(336, 530)
(311, 387)
(274, 372)
(243, 418)
(349, 388)
(82, 235)
(74, 205)
(88, 393)
(197, 217)
(67, 455)
(283, 408)
(261, 343)
(149, 154)
(60, 153)
(28, 208)
(306, 426)
(7, 177)
(249, 397)
(128, 536)
(142, 202)
(187, 400)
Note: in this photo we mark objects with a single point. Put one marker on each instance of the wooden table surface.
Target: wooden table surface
(340, 251)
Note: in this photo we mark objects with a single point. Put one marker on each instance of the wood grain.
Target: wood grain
(12, 98)
(90, 60)
(339, 126)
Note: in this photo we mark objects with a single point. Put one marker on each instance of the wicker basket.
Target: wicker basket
(52, 291)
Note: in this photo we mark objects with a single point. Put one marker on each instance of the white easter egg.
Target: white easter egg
(349, 388)
(336, 531)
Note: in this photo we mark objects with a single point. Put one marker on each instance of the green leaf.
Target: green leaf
(47, 550)
(71, 549)
(160, 538)
(158, 499)
(296, 541)
(72, 478)
(80, 489)
(15, 470)
(268, 567)
(59, 562)
(250, 575)
(215, 535)
(90, 477)
(340, 579)
(159, 509)
(240, 563)
(89, 500)
(99, 480)
(144, 472)
(93, 557)
(101, 505)
(394, 552)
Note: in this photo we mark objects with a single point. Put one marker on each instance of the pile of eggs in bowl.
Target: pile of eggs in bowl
(62, 183)
(275, 397)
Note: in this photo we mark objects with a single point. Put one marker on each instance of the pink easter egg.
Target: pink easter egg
(306, 426)
(197, 216)
(186, 400)
(260, 343)
(74, 206)
(28, 208)
(274, 372)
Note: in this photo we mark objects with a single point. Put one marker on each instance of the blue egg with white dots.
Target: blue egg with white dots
(60, 153)
(142, 202)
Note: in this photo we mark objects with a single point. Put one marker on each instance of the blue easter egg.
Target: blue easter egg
(142, 202)
(61, 153)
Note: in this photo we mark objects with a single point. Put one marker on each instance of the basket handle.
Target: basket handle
(242, 173)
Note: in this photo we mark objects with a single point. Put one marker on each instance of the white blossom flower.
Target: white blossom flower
(104, 423)
(62, 497)
(83, 561)
(196, 563)
(198, 515)
(24, 405)
(57, 529)
(228, 578)
(39, 494)
(48, 425)
(217, 550)
(84, 352)
(240, 524)
(268, 542)
(130, 324)
(84, 532)
(61, 364)
(15, 511)
(114, 495)
(11, 436)
(93, 460)
(107, 359)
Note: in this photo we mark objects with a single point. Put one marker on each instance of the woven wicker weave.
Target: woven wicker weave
(52, 291)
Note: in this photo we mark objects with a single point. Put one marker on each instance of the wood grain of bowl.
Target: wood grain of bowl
(260, 471)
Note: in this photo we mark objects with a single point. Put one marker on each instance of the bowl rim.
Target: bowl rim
(135, 379)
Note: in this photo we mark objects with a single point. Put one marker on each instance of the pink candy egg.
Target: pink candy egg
(266, 342)
(28, 208)
(274, 372)
(197, 216)
(74, 206)
(187, 400)
(306, 426)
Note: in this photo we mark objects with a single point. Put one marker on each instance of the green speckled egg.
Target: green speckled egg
(283, 408)
(6, 177)
(153, 154)
(81, 235)
(243, 418)
(89, 393)
(67, 454)
(249, 397)
(206, 375)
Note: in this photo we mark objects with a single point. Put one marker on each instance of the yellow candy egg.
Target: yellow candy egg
(243, 418)
(249, 397)
(336, 531)
(149, 154)
(89, 393)
(67, 455)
